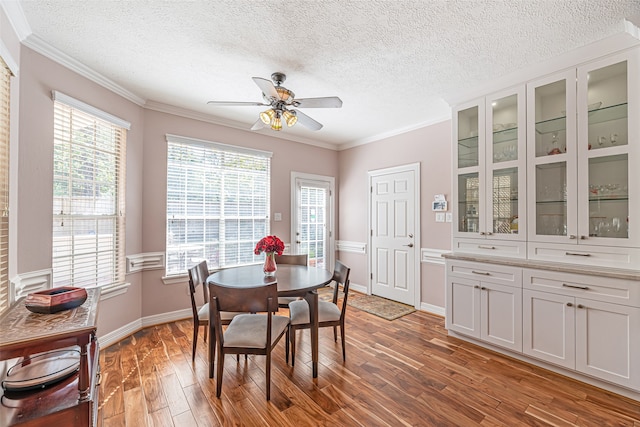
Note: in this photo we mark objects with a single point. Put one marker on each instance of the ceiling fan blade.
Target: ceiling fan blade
(235, 104)
(266, 87)
(326, 102)
(307, 121)
(259, 124)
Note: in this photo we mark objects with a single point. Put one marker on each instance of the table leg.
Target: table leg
(312, 300)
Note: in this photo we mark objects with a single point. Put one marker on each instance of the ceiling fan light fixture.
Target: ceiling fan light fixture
(267, 116)
(276, 124)
(285, 94)
(289, 117)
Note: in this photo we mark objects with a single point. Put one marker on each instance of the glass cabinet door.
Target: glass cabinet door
(468, 203)
(505, 164)
(468, 129)
(606, 149)
(552, 158)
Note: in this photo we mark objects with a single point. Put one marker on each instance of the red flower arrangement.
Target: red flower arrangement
(269, 244)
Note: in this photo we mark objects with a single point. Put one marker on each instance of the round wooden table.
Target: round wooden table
(292, 280)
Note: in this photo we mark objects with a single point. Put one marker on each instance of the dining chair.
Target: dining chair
(256, 333)
(283, 302)
(330, 313)
(197, 278)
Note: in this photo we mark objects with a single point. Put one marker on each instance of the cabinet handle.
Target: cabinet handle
(584, 288)
(483, 288)
(484, 273)
(576, 254)
(569, 304)
(581, 306)
(486, 247)
(476, 287)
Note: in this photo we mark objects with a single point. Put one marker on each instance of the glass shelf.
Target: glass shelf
(550, 202)
(505, 135)
(606, 114)
(609, 199)
(471, 142)
(553, 125)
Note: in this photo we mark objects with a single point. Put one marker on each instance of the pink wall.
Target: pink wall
(38, 77)
(431, 146)
(287, 157)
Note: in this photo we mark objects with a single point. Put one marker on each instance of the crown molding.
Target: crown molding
(395, 132)
(195, 115)
(17, 18)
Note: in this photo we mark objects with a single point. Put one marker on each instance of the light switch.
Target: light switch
(439, 216)
(449, 217)
(277, 216)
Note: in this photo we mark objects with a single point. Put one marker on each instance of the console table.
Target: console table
(72, 401)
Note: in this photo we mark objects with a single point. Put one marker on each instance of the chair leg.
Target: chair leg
(206, 332)
(267, 369)
(220, 370)
(292, 338)
(335, 334)
(212, 351)
(286, 346)
(196, 327)
(344, 351)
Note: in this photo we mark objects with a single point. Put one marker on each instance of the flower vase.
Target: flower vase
(270, 266)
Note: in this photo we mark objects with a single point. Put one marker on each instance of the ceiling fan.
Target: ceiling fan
(282, 102)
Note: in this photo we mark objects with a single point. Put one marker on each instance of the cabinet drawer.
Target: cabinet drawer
(617, 291)
(602, 256)
(510, 276)
(501, 248)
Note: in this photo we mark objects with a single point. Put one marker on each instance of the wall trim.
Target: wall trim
(358, 288)
(351, 247)
(144, 322)
(145, 261)
(32, 281)
(433, 256)
(433, 309)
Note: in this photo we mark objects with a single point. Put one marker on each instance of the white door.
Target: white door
(394, 237)
(312, 218)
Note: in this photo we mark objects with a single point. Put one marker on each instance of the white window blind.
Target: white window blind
(5, 76)
(218, 201)
(88, 196)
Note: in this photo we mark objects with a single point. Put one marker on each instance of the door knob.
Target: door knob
(410, 245)
(298, 241)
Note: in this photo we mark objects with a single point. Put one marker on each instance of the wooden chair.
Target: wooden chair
(291, 260)
(247, 333)
(329, 312)
(197, 278)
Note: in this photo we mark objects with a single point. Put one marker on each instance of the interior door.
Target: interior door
(312, 218)
(394, 219)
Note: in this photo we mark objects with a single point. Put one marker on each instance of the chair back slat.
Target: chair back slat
(341, 279)
(249, 299)
(292, 259)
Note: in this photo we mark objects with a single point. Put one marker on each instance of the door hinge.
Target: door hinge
(371, 276)
(371, 232)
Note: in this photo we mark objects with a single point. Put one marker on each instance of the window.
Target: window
(5, 76)
(88, 195)
(217, 203)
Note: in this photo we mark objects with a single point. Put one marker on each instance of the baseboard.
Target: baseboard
(358, 288)
(114, 336)
(433, 309)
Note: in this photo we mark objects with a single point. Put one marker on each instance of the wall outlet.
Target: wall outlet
(439, 216)
(449, 217)
(277, 216)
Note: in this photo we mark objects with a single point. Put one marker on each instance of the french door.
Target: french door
(312, 218)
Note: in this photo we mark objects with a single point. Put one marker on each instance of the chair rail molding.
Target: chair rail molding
(433, 256)
(32, 281)
(352, 247)
(145, 261)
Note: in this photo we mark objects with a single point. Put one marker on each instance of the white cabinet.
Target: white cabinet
(490, 168)
(583, 144)
(485, 302)
(590, 324)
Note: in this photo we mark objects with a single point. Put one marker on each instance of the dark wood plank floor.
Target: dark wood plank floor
(407, 372)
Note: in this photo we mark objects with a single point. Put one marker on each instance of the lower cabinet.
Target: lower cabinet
(589, 324)
(483, 306)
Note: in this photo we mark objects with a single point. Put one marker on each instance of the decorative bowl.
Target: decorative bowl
(55, 299)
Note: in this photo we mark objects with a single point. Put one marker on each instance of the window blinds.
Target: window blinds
(5, 76)
(218, 201)
(88, 197)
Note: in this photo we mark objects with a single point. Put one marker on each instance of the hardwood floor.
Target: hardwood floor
(407, 372)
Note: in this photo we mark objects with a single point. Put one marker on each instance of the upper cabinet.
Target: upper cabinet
(489, 185)
(550, 170)
(582, 149)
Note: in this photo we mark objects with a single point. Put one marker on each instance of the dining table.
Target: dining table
(292, 280)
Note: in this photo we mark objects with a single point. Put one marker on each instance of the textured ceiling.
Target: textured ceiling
(393, 63)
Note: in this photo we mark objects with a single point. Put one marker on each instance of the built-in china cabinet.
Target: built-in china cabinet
(546, 234)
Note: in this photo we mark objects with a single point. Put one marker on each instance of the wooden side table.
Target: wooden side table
(72, 401)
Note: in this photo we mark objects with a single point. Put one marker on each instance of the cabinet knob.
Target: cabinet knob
(476, 287)
(572, 236)
(482, 233)
(583, 237)
(581, 306)
(489, 233)
(483, 288)
(569, 304)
